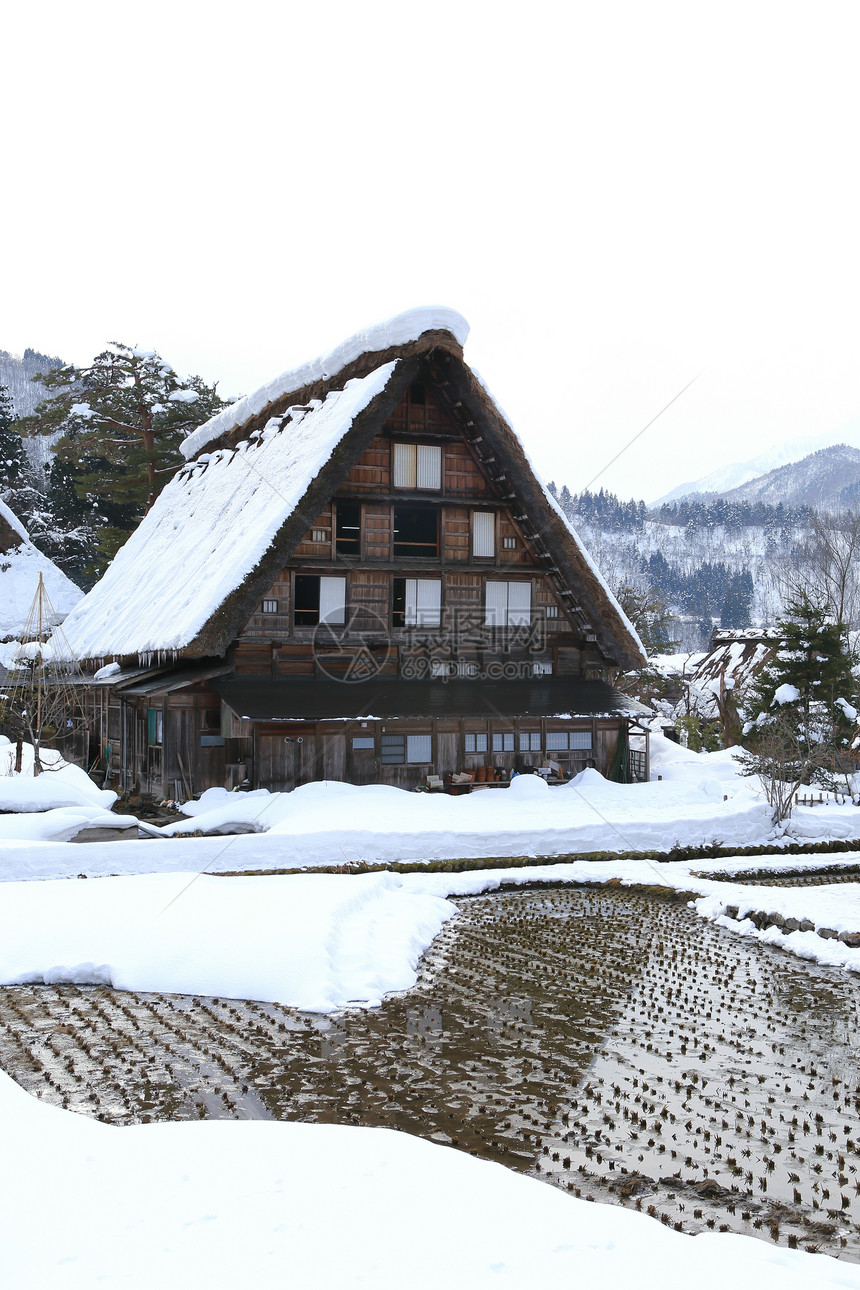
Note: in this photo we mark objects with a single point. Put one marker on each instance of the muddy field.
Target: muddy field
(608, 1042)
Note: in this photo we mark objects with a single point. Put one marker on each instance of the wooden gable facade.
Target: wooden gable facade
(419, 624)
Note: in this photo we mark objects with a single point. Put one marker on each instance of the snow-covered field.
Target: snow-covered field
(322, 941)
(256, 1203)
(262, 1204)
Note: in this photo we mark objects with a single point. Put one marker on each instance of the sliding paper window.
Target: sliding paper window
(417, 466)
(319, 600)
(417, 602)
(483, 534)
(508, 604)
(416, 750)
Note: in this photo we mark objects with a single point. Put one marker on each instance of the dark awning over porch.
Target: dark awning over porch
(261, 699)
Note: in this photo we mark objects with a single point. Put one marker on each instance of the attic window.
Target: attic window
(348, 531)
(551, 611)
(483, 534)
(417, 393)
(417, 465)
(270, 606)
(416, 532)
(509, 543)
(319, 535)
(319, 600)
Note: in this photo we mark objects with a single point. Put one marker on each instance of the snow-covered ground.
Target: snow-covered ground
(700, 800)
(60, 784)
(255, 1203)
(323, 941)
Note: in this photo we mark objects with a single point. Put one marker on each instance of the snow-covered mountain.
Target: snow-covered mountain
(825, 480)
(725, 478)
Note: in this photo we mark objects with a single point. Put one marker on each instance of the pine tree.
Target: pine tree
(122, 420)
(800, 717)
(12, 456)
(651, 618)
(67, 528)
(736, 609)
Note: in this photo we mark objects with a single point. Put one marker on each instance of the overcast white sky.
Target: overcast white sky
(618, 196)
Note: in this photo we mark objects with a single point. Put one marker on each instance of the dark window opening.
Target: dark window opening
(398, 616)
(393, 750)
(307, 603)
(416, 532)
(348, 533)
(417, 393)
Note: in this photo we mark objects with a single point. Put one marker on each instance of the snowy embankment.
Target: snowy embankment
(60, 784)
(255, 1203)
(52, 807)
(317, 942)
(701, 800)
(323, 941)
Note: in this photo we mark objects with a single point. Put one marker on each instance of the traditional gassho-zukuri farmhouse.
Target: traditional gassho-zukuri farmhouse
(356, 576)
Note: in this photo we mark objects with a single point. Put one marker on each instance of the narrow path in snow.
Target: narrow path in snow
(604, 1040)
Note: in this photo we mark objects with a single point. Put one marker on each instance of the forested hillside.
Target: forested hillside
(16, 374)
(96, 446)
(717, 563)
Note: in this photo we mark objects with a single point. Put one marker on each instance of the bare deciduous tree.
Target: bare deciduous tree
(827, 566)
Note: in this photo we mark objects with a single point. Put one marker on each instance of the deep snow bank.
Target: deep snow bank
(60, 784)
(226, 1204)
(316, 942)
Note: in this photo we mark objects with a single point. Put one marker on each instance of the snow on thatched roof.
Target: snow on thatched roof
(394, 332)
(221, 531)
(20, 565)
(209, 529)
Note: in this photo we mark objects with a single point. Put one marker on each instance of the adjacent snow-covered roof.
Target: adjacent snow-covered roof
(400, 330)
(209, 529)
(20, 565)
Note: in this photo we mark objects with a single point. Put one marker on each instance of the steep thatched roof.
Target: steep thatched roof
(12, 531)
(21, 564)
(220, 533)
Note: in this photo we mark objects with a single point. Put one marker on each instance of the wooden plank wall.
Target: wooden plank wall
(315, 551)
(369, 598)
(372, 472)
(461, 474)
(377, 530)
(456, 539)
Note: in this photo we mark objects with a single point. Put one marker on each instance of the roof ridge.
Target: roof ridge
(400, 330)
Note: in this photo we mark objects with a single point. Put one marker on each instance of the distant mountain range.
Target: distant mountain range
(825, 480)
(724, 479)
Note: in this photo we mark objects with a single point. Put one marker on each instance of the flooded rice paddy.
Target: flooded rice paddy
(606, 1041)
